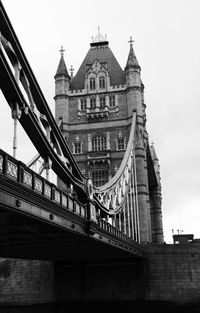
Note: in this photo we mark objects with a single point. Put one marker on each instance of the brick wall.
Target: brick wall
(26, 282)
(169, 273)
(101, 282)
(173, 273)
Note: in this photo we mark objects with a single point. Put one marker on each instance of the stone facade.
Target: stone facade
(94, 109)
(173, 273)
(168, 274)
(26, 282)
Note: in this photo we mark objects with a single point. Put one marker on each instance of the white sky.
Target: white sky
(167, 46)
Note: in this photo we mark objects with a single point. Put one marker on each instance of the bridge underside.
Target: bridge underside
(25, 238)
(32, 227)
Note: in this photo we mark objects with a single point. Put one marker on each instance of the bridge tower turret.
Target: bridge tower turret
(135, 102)
(96, 107)
(62, 80)
(133, 81)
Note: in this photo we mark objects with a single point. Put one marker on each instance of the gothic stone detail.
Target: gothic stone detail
(96, 108)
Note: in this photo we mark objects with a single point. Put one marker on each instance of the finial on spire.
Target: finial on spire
(98, 34)
(62, 51)
(132, 61)
(62, 69)
(71, 70)
(99, 37)
(131, 41)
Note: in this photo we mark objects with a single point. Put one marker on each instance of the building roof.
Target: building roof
(62, 69)
(132, 60)
(100, 51)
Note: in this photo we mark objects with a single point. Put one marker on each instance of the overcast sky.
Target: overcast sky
(167, 46)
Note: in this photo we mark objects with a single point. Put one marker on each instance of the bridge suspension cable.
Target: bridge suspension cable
(112, 195)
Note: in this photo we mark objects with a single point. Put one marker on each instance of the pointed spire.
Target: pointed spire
(62, 69)
(132, 60)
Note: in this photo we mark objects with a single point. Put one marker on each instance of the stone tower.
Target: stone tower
(95, 108)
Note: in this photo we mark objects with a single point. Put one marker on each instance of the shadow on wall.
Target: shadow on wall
(5, 267)
(106, 307)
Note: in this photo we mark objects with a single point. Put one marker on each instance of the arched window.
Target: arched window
(102, 102)
(120, 144)
(92, 83)
(99, 143)
(93, 103)
(112, 101)
(101, 82)
(77, 148)
(83, 104)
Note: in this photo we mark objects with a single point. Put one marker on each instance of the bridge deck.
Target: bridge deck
(37, 225)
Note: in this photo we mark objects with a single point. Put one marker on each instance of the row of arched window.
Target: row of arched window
(93, 83)
(99, 143)
(102, 102)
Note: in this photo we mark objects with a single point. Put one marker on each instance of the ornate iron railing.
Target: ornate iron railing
(23, 175)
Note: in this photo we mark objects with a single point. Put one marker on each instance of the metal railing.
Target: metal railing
(17, 171)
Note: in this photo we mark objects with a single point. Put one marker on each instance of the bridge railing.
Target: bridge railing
(19, 172)
(103, 224)
(123, 239)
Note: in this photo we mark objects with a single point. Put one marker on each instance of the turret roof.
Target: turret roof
(62, 69)
(100, 51)
(132, 60)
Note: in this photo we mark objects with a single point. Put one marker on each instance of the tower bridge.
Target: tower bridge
(97, 232)
(128, 198)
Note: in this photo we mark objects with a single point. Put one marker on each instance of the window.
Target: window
(83, 104)
(112, 101)
(120, 144)
(99, 143)
(102, 102)
(99, 177)
(101, 82)
(77, 148)
(92, 83)
(93, 103)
